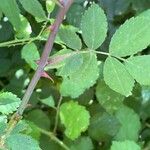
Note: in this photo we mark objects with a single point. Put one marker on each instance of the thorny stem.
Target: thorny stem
(47, 50)
(44, 57)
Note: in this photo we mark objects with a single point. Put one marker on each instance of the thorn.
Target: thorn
(60, 3)
(37, 62)
(45, 75)
(51, 27)
(28, 105)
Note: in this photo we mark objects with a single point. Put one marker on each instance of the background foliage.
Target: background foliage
(100, 94)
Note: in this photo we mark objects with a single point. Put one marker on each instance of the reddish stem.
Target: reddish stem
(47, 50)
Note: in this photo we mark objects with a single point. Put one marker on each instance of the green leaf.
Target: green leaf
(6, 33)
(72, 64)
(83, 78)
(94, 26)
(70, 38)
(47, 144)
(87, 97)
(127, 39)
(117, 77)
(125, 145)
(139, 68)
(34, 8)
(25, 29)
(10, 9)
(108, 98)
(8, 102)
(5, 65)
(32, 130)
(39, 118)
(1, 14)
(83, 143)
(130, 124)
(23, 142)
(20, 127)
(3, 124)
(3, 51)
(74, 15)
(30, 53)
(103, 126)
(49, 101)
(75, 119)
(50, 5)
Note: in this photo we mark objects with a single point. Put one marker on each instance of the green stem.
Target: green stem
(13, 42)
(102, 53)
(54, 138)
(108, 54)
(57, 115)
(147, 125)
